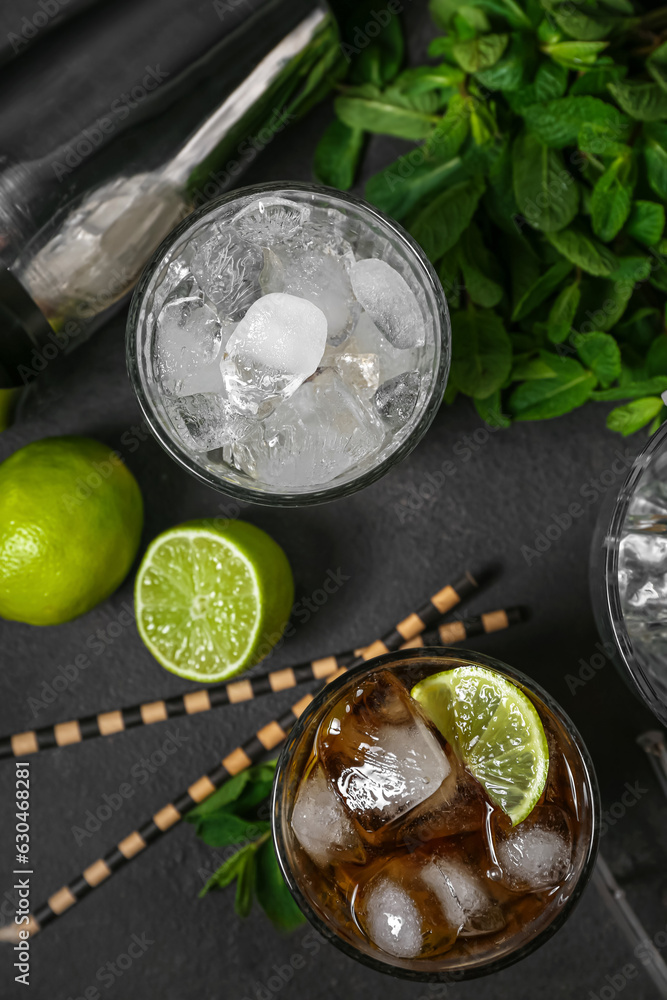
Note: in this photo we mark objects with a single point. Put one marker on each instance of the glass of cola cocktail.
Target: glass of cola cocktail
(433, 857)
(288, 344)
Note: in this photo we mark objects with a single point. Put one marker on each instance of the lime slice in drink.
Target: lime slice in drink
(494, 729)
(211, 600)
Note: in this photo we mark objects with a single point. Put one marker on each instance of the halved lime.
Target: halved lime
(494, 729)
(211, 600)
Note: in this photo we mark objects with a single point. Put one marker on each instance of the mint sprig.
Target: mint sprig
(237, 815)
(537, 186)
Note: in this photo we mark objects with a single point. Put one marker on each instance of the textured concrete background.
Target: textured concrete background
(395, 546)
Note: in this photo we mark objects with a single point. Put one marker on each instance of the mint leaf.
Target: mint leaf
(532, 368)
(583, 251)
(510, 72)
(603, 301)
(543, 399)
(223, 829)
(481, 352)
(379, 115)
(550, 81)
(562, 313)
(398, 188)
(439, 225)
(633, 390)
(646, 222)
(600, 140)
(574, 55)
(545, 285)
(233, 867)
(594, 81)
(426, 78)
(579, 25)
(479, 53)
(656, 359)
(224, 796)
(545, 191)
(645, 102)
(337, 155)
(557, 123)
(490, 410)
(633, 416)
(656, 64)
(449, 272)
(480, 272)
(655, 155)
(612, 198)
(601, 354)
(272, 893)
(379, 58)
(246, 874)
(446, 140)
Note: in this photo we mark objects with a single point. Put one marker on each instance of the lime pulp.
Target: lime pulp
(494, 729)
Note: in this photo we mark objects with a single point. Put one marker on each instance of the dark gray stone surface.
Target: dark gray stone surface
(395, 546)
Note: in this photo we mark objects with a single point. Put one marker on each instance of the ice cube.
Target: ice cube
(457, 807)
(399, 908)
(228, 268)
(390, 302)
(206, 421)
(321, 824)
(391, 919)
(269, 222)
(536, 854)
(359, 372)
(188, 337)
(367, 339)
(318, 276)
(380, 753)
(464, 895)
(396, 399)
(277, 345)
(319, 433)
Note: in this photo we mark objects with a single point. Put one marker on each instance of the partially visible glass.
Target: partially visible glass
(628, 575)
(373, 398)
(506, 912)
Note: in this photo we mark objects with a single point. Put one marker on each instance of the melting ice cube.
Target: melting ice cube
(228, 268)
(391, 919)
(396, 399)
(399, 908)
(319, 433)
(456, 807)
(390, 302)
(205, 421)
(321, 824)
(380, 753)
(367, 339)
(536, 854)
(360, 372)
(268, 222)
(319, 277)
(464, 896)
(277, 345)
(188, 341)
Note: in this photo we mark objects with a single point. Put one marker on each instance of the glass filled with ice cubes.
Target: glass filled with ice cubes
(289, 344)
(396, 852)
(628, 574)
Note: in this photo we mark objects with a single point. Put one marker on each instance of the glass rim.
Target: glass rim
(322, 494)
(493, 964)
(625, 653)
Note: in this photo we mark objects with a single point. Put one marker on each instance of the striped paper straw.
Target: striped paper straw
(267, 738)
(118, 720)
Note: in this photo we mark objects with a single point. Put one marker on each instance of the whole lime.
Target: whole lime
(71, 515)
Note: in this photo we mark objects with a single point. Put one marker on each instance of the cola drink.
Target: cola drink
(398, 854)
